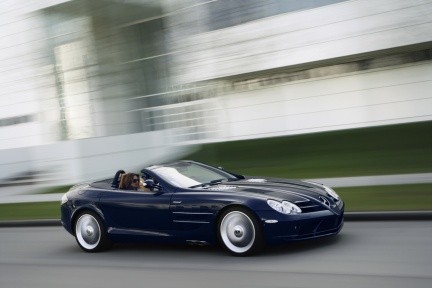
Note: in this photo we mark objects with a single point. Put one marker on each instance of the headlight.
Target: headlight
(64, 199)
(285, 207)
(332, 193)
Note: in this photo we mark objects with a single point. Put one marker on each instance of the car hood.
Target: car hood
(282, 189)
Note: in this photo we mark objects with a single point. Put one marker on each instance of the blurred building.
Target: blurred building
(91, 85)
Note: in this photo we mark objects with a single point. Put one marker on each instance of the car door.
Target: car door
(194, 214)
(137, 212)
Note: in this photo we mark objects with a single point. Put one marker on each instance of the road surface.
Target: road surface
(365, 254)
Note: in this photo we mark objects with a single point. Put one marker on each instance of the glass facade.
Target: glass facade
(204, 16)
(112, 67)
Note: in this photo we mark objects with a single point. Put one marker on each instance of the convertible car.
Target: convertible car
(191, 202)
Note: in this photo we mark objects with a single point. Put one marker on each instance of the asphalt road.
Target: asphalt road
(365, 254)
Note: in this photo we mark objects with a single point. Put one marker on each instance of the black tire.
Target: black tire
(239, 232)
(90, 232)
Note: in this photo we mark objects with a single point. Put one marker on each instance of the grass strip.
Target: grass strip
(29, 211)
(56, 189)
(383, 150)
(417, 197)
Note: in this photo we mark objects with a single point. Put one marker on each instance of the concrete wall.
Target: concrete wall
(374, 97)
(69, 162)
(20, 72)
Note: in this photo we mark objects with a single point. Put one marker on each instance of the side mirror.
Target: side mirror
(151, 185)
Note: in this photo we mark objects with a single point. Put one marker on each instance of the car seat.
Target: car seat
(116, 180)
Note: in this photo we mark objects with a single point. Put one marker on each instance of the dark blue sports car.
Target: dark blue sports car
(200, 204)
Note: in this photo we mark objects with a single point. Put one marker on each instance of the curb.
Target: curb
(388, 216)
(349, 216)
(30, 223)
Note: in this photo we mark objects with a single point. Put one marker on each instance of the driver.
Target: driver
(132, 181)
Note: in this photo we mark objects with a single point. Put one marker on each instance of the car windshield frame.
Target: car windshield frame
(192, 174)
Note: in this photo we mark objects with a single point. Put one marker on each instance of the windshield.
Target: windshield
(188, 175)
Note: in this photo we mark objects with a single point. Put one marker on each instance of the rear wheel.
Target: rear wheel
(90, 232)
(239, 232)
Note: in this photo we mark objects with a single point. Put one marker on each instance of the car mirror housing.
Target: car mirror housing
(152, 186)
(149, 183)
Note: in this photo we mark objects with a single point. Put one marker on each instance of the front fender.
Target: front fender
(77, 211)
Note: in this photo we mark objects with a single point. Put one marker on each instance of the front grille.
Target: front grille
(308, 206)
(324, 200)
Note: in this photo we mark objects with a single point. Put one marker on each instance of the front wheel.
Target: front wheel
(90, 232)
(239, 232)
